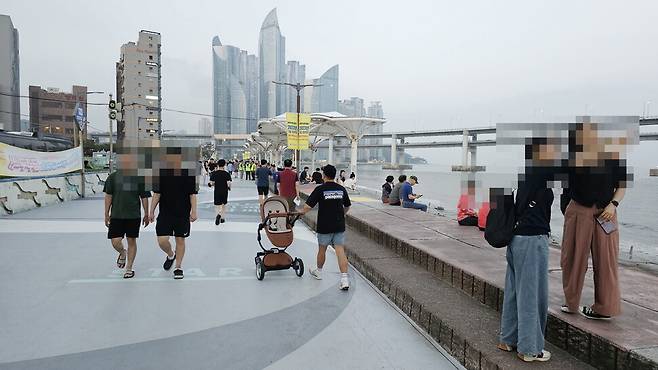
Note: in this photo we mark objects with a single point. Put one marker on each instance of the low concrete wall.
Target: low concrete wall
(22, 194)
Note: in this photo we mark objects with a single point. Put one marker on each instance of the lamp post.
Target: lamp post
(82, 146)
(298, 87)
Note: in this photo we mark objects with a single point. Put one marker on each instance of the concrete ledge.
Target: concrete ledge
(459, 257)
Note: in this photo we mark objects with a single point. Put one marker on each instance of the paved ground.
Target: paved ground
(66, 306)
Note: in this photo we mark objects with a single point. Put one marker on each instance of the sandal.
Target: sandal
(121, 260)
(506, 347)
(129, 274)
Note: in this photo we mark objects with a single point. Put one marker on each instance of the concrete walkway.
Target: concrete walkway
(66, 306)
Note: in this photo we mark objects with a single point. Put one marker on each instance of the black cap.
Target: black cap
(415, 179)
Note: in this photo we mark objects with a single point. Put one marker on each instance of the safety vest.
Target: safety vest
(241, 166)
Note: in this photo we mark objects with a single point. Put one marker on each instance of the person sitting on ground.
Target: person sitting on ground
(394, 197)
(316, 177)
(466, 213)
(303, 177)
(408, 197)
(387, 188)
(351, 182)
(341, 177)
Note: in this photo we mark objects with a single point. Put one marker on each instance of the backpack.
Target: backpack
(501, 220)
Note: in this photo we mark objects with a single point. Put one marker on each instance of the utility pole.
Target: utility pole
(298, 87)
(113, 113)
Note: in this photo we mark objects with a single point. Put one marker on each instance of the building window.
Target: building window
(150, 68)
(150, 57)
(150, 45)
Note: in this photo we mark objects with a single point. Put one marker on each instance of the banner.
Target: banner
(246, 155)
(295, 141)
(19, 162)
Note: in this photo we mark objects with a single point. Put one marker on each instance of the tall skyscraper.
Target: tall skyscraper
(10, 108)
(235, 89)
(296, 73)
(272, 67)
(323, 98)
(375, 110)
(205, 127)
(139, 88)
(352, 107)
(52, 111)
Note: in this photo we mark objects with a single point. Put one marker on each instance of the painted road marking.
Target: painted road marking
(207, 278)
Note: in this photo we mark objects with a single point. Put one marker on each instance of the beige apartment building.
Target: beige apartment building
(139, 87)
(52, 111)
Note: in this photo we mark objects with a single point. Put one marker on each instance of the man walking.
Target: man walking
(221, 181)
(123, 195)
(263, 181)
(175, 192)
(407, 196)
(333, 203)
(288, 184)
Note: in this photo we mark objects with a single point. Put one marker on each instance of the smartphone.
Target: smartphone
(419, 195)
(607, 226)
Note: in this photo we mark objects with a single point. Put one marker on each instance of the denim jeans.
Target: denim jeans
(525, 305)
(415, 205)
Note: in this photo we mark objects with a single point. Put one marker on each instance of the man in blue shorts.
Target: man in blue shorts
(333, 203)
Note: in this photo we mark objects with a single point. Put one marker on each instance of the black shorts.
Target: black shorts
(120, 227)
(263, 190)
(176, 226)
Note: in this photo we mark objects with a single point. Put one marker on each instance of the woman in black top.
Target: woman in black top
(387, 188)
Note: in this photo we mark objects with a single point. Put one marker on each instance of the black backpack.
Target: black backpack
(501, 220)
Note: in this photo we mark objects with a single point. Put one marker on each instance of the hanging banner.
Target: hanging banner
(298, 139)
(19, 162)
(246, 155)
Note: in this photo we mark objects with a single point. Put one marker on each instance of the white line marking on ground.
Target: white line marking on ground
(209, 278)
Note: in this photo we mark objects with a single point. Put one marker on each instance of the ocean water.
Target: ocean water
(637, 214)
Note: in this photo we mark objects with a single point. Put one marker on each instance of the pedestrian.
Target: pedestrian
(241, 169)
(394, 198)
(288, 184)
(407, 196)
(387, 188)
(333, 203)
(596, 187)
(229, 168)
(123, 195)
(316, 177)
(341, 177)
(303, 177)
(525, 303)
(221, 180)
(263, 181)
(175, 195)
(275, 178)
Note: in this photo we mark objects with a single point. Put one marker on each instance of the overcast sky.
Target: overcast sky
(433, 64)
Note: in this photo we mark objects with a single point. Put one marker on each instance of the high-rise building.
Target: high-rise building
(10, 108)
(272, 67)
(139, 88)
(296, 73)
(375, 110)
(205, 127)
(323, 98)
(235, 89)
(352, 107)
(52, 111)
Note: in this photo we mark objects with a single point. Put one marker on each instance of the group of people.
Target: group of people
(402, 193)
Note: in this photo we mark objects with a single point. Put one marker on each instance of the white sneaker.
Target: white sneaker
(542, 357)
(344, 283)
(315, 273)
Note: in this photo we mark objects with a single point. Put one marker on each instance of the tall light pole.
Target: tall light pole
(298, 87)
(82, 146)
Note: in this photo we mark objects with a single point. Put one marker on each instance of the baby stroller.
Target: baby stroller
(277, 222)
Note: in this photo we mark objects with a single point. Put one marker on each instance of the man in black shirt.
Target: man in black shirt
(333, 203)
(175, 191)
(221, 180)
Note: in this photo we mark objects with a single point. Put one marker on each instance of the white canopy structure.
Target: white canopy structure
(324, 126)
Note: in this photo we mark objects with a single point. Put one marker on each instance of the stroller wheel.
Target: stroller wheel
(298, 265)
(260, 270)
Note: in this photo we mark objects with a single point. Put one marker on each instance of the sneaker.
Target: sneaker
(222, 220)
(178, 273)
(591, 314)
(168, 262)
(344, 283)
(315, 273)
(217, 218)
(565, 309)
(542, 357)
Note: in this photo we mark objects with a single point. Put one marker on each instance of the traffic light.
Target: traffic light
(112, 107)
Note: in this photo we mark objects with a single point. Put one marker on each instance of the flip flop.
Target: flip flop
(121, 260)
(129, 274)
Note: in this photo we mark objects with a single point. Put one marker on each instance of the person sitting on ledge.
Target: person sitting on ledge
(316, 177)
(408, 197)
(394, 197)
(387, 188)
(466, 213)
(350, 183)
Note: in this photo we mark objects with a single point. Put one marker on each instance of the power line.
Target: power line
(48, 99)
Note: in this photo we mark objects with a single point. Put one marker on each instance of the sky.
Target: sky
(433, 64)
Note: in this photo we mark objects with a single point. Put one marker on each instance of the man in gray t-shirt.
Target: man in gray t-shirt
(394, 198)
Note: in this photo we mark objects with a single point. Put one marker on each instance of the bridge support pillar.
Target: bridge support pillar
(394, 150)
(466, 150)
(330, 155)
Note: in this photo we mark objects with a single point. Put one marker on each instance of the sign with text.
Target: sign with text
(19, 162)
(298, 135)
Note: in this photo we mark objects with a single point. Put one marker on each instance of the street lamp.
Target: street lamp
(82, 148)
(298, 87)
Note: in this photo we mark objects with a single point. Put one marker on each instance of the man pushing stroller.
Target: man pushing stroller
(333, 203)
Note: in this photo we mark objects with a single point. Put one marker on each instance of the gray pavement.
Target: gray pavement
(65, 304)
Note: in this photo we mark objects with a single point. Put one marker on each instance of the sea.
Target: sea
(637, 214)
